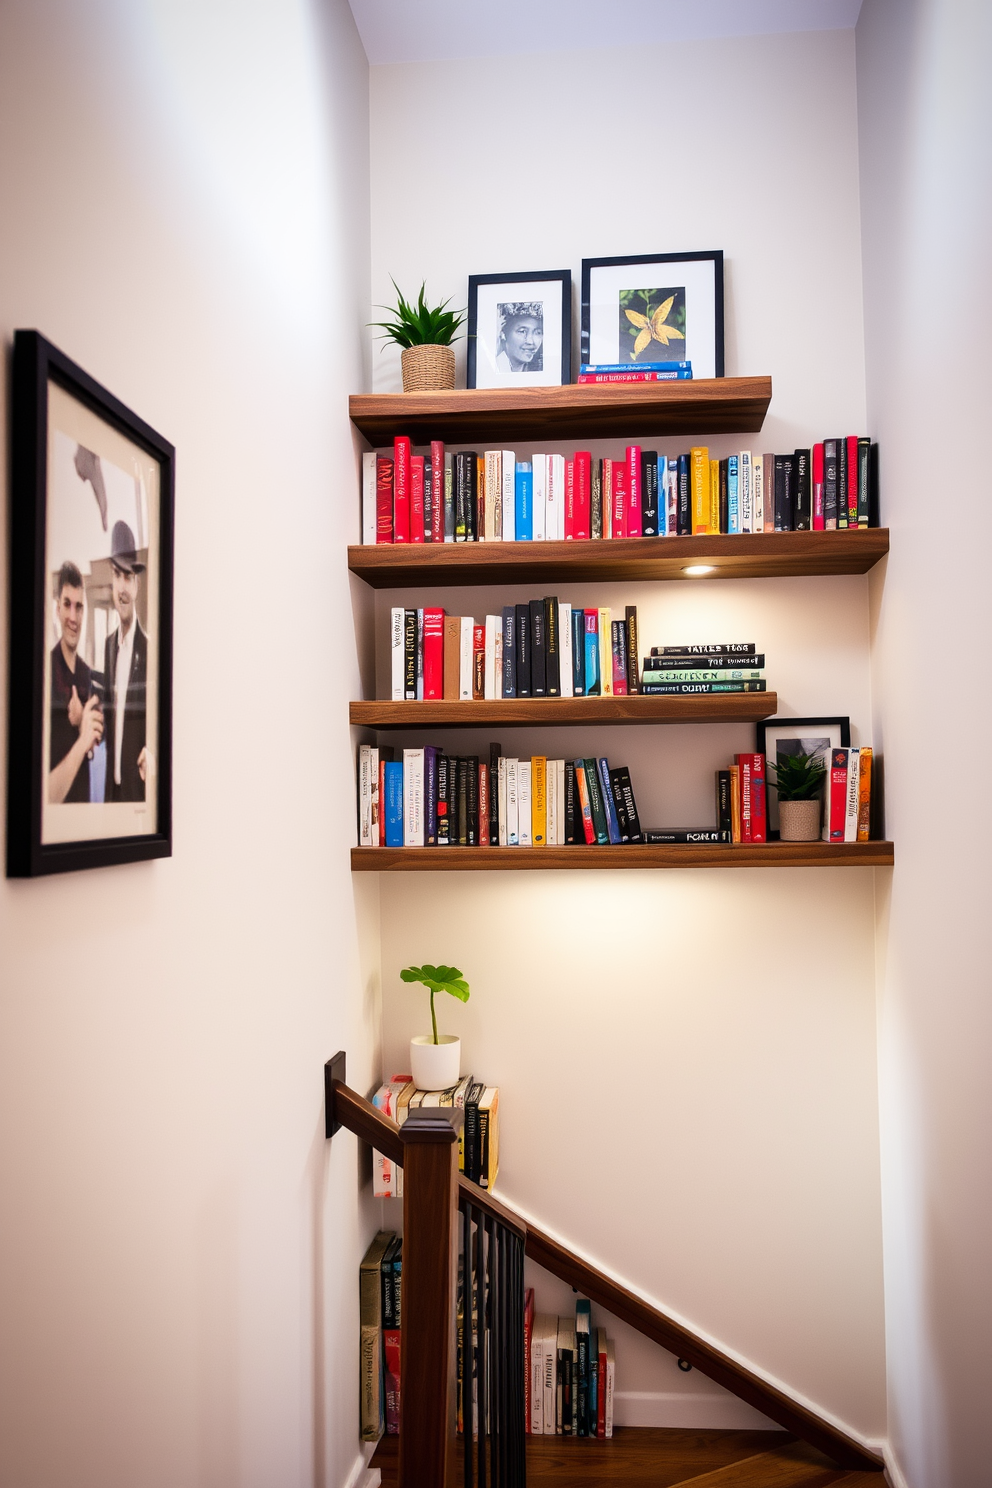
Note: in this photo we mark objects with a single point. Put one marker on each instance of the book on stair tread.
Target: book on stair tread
(389, 1274)
(583, 1322)
(370, 1320)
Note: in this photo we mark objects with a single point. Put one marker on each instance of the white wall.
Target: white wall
(926, 151)
(746, 1046)
(185, 210)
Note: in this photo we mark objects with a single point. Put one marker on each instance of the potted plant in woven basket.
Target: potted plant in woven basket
(435, 1059)
(425, 334)
(798, 780)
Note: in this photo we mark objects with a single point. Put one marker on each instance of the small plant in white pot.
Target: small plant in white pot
(435, 1059)
(798, 780)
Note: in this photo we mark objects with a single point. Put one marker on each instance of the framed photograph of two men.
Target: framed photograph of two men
(90, 711)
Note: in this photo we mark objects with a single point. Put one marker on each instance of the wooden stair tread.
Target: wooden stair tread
(795, 1465)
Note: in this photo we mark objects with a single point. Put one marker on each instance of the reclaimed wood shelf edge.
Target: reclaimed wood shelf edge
(743, 707)
(632, 855)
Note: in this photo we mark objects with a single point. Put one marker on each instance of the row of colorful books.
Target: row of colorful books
(742, 798)
(544, 648)
(431, 799)
(571, 1369)
(732, 666)
(478, 1135)
(493, 497)
(380, 1318)
(607, 372)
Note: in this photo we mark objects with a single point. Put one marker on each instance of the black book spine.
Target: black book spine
(874, 515)
(726, 648)
(494, 753)
(571, 819)
(803, 508)
(723, 816)
(829, 483)
(509, 652)
(685, 498)
(781, 518)
(596, 803)
(596, 499)
(443, 801)
(552, 647)
(713, 663)
(430, 795)
(649, 493)
(864, 482)
(410, 655)
(633, 642)
(428, 501)
(789, 467)
(471, 494)
(630, 805)
(538, 650)
(472, 801)
(461, 519)
(522, 613)
(682, 834)
(619, 805)
(461, 776)
(578, 652)
(724, 498)
(842, 508)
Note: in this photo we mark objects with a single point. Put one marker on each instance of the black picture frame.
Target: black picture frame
(38, 369)
(841, 727)
(641, 261)
(479, 366)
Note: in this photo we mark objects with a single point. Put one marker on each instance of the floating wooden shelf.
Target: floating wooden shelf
(730, 707)
(759, 555)
(716, 405)
(634, 855)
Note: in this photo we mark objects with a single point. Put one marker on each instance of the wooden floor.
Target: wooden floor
(650, 1458)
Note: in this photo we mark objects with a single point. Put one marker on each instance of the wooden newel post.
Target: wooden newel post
(430, 1269)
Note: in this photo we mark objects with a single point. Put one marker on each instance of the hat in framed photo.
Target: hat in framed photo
(520, 329)
(655, 307)
(777, 737)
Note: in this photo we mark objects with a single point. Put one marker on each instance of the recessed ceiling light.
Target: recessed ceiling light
(699, 568)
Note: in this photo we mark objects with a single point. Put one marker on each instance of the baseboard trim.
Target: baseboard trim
(361, 1475)
(690, 1410)
(892, 1469)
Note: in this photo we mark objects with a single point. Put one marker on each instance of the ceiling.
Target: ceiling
(443, 30)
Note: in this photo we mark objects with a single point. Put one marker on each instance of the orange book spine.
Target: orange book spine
(864, 796)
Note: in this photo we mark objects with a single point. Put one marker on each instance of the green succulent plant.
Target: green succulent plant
(798, 777)
(438, 979)
(418, 324)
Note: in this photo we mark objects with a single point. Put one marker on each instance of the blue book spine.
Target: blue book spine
(612, 824)
(578, 652)
(509, 651)
(394, 803)
(524, 509)
(589, 367)
(733, 502)
(662, 496)
(591, 639)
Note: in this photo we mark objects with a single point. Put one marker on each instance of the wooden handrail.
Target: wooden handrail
(366, 1122)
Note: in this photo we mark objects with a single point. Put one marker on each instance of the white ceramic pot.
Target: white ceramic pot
(435, 1066)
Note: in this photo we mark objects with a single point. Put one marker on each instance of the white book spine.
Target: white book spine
(605, 653)
(558, 462)
(744, 490)
(499, 656)
(374, 807)
(540, 496)
(611, 1370)
(523, 802)
(368, 498)
(758, 495)
(509, 463)
(565, 649)
(853, 794)
(365, 795)
(512, 834)
(534, 1384)
(396, 654)
(551, 796)
(549, 1353)
(465, 658)
(413, 798)
(501, 799)
(560, 792)
(494, 626)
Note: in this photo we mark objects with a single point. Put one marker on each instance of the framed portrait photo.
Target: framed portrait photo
(656, 307)
(90, 725)
(780, 736)
(520, 329)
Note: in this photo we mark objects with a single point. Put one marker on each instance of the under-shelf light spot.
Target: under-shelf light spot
(697, 569)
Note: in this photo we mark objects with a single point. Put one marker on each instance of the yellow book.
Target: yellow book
(699, 488)
(714, 495)
(605, 653)
(539, 801)
(864, 796)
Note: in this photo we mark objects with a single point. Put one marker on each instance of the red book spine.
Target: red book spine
(759, 824)
(391, 1352)
(601, 1398)
(417, 499)
(483, 804)
(478, 662)
(382, 800)
(433, 654)
(745, 763)
(852, 480)
(401, 489)
(633, 528)
(837, 795)
(620, 489)
(588, 827)
(569, 500)
(583, 493)
(817, 488)
(437, 490)
(383, 499)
